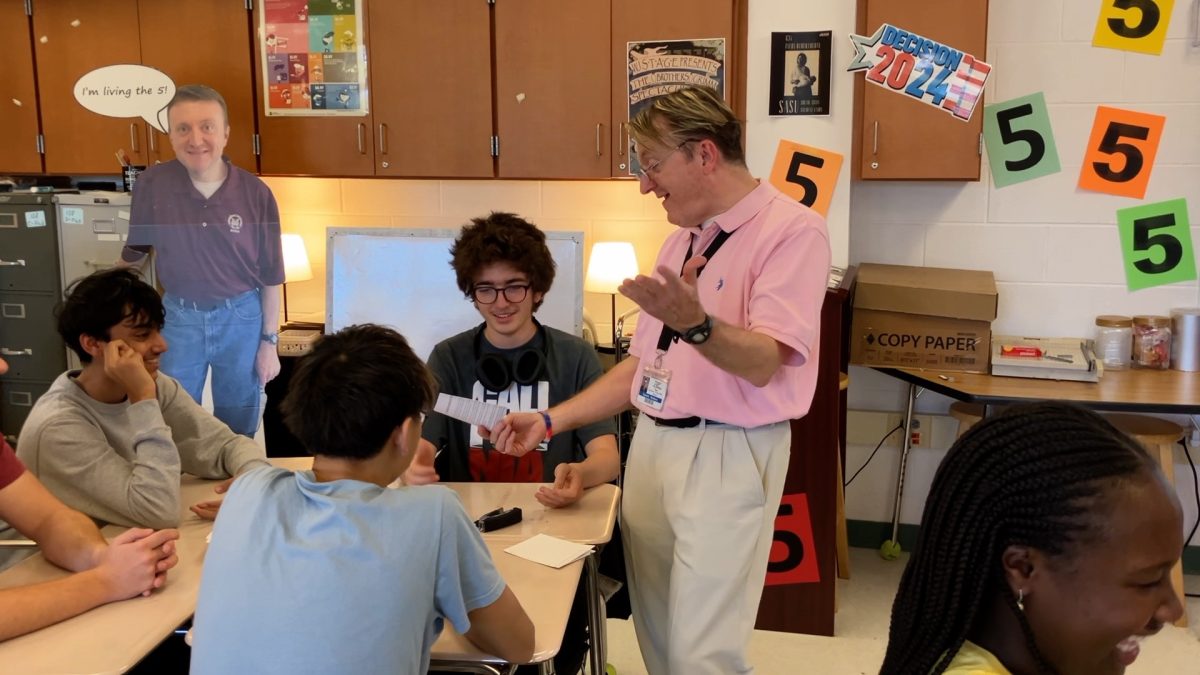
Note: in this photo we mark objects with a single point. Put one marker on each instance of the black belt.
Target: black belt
(681, 422)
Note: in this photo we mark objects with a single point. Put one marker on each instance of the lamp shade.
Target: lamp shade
(611, 263)
(295, 259)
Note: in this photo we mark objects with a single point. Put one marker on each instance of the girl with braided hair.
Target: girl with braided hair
(1045, 548)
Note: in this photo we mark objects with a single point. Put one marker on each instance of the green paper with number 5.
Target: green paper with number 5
(1156, 244)
(1020, 140)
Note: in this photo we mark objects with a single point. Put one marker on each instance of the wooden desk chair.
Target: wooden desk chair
(967, 414)
(1158, 437)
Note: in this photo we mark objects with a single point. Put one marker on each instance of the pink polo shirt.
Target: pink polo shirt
(769, 277)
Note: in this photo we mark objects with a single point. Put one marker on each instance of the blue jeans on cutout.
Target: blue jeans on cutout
(225, 338)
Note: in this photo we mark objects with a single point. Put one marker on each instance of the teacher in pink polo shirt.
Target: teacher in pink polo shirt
(725, 354)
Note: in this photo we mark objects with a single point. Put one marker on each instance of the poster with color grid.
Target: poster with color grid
(313, 61)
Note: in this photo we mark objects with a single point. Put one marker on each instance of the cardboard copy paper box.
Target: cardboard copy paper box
(922, 317)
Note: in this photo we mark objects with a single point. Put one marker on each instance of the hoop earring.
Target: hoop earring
(1021, 599)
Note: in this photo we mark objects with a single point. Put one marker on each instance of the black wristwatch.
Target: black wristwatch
(273, 338)
(698, 335)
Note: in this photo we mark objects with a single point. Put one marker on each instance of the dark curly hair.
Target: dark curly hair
(1030, 476)
(99, 301)
(502, 238)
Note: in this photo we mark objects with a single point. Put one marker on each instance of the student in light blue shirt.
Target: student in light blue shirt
(328, 570)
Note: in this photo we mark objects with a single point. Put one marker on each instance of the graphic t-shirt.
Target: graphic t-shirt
(571, 365)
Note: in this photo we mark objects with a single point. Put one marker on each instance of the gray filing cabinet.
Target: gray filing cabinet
(92, 229)
(30, 286)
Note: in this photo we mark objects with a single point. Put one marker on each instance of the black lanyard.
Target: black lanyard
(668, 334)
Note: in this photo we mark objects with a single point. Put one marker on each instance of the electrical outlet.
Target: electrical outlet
(921, 431)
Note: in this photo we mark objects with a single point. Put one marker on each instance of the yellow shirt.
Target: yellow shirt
(975, 660)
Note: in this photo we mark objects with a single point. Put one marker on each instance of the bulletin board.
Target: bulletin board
(401, 277)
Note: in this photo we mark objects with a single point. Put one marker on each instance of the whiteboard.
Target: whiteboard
(401, 278)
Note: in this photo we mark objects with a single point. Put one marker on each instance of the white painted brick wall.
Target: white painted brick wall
(1054, 248)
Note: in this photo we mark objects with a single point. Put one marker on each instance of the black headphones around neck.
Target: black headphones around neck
(496, 373)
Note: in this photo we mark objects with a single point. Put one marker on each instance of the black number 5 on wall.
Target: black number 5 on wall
(1020, 140)
(1156, 244)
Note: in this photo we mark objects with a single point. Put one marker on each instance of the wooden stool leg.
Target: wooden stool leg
(1166, 461)
(843, 538)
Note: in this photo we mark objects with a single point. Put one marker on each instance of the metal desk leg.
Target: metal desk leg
(597, 626)
(890, 549)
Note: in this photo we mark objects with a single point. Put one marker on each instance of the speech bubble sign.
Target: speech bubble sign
(126, 90)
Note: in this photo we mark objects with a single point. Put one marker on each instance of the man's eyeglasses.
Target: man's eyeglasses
(652, 167)
(486, 295)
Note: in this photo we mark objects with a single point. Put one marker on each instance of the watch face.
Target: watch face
(699, 334)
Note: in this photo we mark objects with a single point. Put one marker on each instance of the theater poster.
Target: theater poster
(657, 68)
(800, 67)
(313, 60)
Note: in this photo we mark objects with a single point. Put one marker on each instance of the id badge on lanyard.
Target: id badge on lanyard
(655, 380)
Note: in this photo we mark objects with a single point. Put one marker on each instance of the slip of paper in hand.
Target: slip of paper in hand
(486, 415)
(550, 551)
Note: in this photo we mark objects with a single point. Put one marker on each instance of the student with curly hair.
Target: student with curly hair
(1046, 547)
(503, 266)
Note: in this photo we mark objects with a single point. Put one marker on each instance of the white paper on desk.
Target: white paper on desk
(550, 551)
(478, 413)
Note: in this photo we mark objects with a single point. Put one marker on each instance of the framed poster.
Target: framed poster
(660, 67)
(313, 60)
(800, 66)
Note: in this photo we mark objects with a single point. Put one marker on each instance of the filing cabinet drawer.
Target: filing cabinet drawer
(16, 400)
(29, 341)
(28, 247)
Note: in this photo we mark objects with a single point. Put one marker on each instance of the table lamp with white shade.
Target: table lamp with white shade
(611, 263)
(295, 265)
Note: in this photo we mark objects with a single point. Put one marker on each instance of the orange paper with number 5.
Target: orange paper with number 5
(1120, 152)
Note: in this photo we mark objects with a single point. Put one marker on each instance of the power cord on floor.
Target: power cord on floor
(872, 456)
(1196, 491)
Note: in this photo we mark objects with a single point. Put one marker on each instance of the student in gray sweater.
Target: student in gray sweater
(111, 440)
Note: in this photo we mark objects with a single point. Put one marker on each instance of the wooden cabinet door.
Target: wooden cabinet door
(639, 21)
(901, 138)
(314, 146)
(18, 95)
(74, 37)
(203, 42)
(552, 103)
(432, 88)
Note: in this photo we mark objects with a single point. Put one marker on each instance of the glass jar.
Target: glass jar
(1114, 341)
(1152, 342)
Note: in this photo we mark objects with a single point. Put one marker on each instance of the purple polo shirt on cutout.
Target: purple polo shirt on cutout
(208, 249)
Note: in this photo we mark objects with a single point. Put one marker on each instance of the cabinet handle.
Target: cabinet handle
(153, 145)
(599, 146)
(382, 138)
(5, 351)
(11, 263)
(133, 144)
(361, 129)
(622, 139)
(875, 144)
